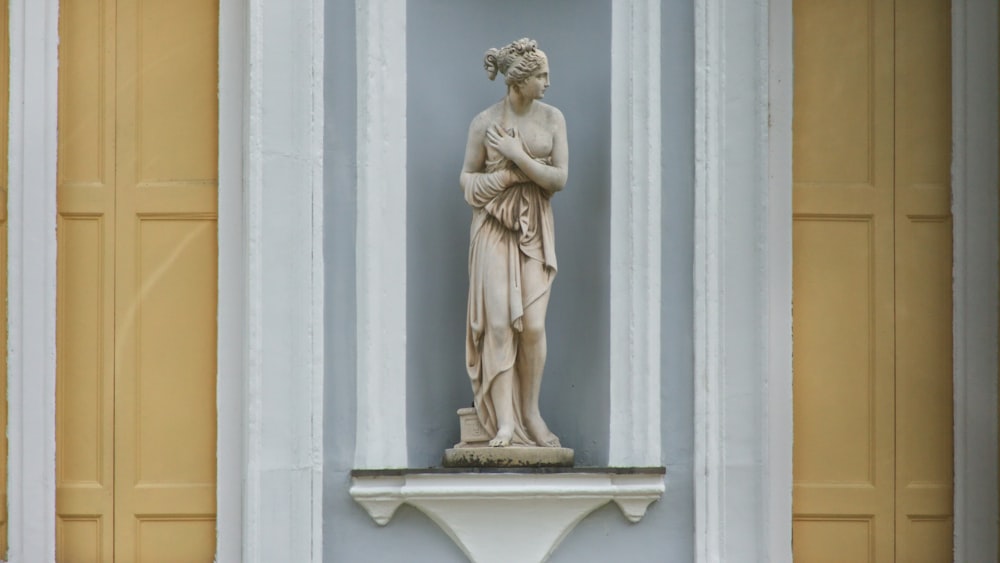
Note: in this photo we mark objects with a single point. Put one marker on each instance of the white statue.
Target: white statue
(515, 160)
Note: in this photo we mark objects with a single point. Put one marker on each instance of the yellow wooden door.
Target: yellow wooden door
(872, 281)
(136, 308)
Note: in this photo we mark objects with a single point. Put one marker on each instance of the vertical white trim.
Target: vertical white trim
(708, 353)
(252, 348)
(232, 273)
(381, 235)
(743, 248)
(317, 289)
(635, 235)
(31, 267)
(974, 213)
(778, 400)
(282, 334)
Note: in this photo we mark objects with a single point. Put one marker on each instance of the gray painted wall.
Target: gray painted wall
(446, 88)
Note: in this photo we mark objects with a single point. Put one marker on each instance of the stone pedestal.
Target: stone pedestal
(474, 451)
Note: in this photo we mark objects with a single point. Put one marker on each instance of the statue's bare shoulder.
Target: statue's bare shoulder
(553, 117)
(486, 118)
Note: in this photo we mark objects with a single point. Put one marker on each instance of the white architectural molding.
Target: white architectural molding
(381, 235)
(231, 400)
(31, 275)
(534, 510)
(635, 235)
(282, 335)
(778, 399)
(708, 475)
(742, 285)
(974, 215)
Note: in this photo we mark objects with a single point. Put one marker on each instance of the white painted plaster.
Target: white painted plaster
(230, 396)
(381, 235)
(31, 275)
(742, 282)
(283, 261)
(974, 215)
(778, 420)
(535, 511)
(708, 471)
(635, 235)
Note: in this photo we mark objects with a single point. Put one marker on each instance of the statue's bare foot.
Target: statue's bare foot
(541, 434)
(502, 438)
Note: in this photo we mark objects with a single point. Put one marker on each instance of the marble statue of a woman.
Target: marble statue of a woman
(515, 160)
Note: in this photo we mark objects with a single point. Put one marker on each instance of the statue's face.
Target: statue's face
(534, 86)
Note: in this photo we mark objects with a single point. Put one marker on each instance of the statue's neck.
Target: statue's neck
(518, 104)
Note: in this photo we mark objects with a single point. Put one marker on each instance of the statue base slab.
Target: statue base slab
(508, 456)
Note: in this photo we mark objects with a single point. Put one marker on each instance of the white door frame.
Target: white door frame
(270, 331)
(31, 280)
(743, 340)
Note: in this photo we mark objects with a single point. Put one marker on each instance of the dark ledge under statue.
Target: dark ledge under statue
(516, 159)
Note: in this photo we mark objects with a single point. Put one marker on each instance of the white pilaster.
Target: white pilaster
(381, 235)
(31, 277)
(708, 477)
(742, 285)
(635, 235)
(283, 261)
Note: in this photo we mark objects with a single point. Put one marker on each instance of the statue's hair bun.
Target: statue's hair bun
(515, 61)
(490, 63)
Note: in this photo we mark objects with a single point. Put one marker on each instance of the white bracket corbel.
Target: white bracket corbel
(537, 508)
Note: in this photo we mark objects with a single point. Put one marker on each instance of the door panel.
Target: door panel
(924, 425)
(85, 300)
(843, 276)
(872, 281)
(137, 280)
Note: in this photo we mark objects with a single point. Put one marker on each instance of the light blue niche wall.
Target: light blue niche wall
(446, 88)
(446, 39)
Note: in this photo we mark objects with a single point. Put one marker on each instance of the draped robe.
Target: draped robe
(510, 226)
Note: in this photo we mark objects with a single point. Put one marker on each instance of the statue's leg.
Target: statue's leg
(531, 355)
(499, 343)
(503, 404)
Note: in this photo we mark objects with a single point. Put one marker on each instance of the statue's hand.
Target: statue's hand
(507, 143)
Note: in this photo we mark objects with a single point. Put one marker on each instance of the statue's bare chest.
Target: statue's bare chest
(537, 138)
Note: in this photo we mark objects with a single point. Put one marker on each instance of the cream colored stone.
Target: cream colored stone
(516, 158)
(472, 431)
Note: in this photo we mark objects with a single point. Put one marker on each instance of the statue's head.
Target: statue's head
(517, 61)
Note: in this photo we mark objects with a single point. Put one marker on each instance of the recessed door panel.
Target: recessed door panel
(836, 145)
(836, 422)
(854, 537)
